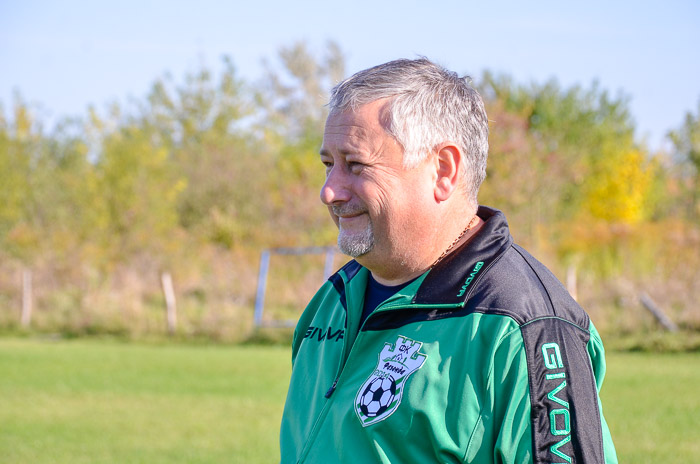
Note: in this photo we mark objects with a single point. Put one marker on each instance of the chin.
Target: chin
(354, 248)
(356, 244)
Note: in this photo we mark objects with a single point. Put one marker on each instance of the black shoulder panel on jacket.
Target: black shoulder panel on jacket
(523, 288)
(563, 305)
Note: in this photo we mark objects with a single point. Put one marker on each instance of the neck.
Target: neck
(403, 267)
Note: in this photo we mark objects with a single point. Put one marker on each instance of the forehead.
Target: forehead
(364, 127)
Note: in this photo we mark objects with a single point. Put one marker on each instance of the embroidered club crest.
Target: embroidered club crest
(381, 394)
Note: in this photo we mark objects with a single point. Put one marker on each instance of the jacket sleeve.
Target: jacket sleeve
(546, 378)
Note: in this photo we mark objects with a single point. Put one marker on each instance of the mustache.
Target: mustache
(347, 210)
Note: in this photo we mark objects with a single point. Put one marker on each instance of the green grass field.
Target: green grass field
(652, 405)
(96, 402)
(108, 402)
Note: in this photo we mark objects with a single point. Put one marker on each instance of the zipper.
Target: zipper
(348, 344)
(332, 389)
(322, 415)
(344, 361)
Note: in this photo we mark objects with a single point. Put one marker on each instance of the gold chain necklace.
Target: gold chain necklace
(459, 237)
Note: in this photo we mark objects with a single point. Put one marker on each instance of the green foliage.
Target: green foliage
(561, 138)
(20, 146)
(294, 99)
(138, 192)
(208, 170)
(686, 141)
(199, 124)
(565, 167)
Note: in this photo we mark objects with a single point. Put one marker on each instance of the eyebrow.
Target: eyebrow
(344, 152)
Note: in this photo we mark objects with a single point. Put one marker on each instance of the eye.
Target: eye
(355, 167)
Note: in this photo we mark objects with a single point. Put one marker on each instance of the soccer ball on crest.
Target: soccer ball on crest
(377, 397)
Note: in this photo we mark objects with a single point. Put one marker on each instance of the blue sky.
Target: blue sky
(69, 54)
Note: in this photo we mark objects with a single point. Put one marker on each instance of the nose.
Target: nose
(336, 188)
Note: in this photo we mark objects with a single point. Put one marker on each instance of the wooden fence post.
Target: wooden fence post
(170, 304)
(26, 318)
(657, 312)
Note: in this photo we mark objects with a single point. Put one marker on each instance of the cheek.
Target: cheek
(385, 183)
(410, 201)
(378, 196)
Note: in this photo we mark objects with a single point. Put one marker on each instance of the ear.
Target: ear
(448, 163)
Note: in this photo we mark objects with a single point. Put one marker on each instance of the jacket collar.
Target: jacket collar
(451, 279)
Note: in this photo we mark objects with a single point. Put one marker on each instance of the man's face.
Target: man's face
(375, 202)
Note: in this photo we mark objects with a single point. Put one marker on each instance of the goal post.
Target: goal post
(328, 251)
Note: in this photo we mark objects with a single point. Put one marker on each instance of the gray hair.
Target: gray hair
(428, 105)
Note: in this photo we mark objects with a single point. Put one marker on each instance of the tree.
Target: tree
(205, 125)
(19, 143)
(686, 142)
(138, 192)
(619, 185)
(564, 136)
(293, 98)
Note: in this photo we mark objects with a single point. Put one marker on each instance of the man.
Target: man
(442, 341)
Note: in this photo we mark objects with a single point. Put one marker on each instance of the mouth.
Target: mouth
(347, 213)
(346, 218)
(349, 216)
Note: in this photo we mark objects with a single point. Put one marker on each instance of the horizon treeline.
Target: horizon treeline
(198, 176)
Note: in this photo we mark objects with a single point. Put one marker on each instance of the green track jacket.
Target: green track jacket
(483, 359)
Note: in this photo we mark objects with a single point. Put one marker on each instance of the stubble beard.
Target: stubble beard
(358, 243)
